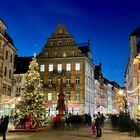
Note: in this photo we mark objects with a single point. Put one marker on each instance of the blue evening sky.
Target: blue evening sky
(107, 23)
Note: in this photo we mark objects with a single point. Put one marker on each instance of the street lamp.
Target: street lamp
(123, 94)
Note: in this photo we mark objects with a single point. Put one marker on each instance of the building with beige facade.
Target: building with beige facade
(106, 93)
(132, 74)
(7, 58)
(63, 58)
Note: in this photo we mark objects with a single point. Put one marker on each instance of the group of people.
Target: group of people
(98, 122)
(4, 125)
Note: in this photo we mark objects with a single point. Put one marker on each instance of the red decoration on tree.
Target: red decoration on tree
(28, 125)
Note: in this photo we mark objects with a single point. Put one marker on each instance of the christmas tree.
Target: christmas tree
(31, 107)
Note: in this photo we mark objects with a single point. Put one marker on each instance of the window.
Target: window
(5, 71)
(11, 57)
(50, 81)
(4, 88)
(49, 96)
(6, 56)
(51, 43)
(73, 53)
(59, 80)
(77, 66)
(9, 74)
(50, 67)
(47, 55)
(68, 67)
(67, 96)
(60, 31)
(68, 42)
(9, 91)
(0, 30)
(77, 80)
(64, 54)
(42, 68)
(68, 80)
(18, 79)
(55, 55)
(60, 43)
(57, 96)
(59, 67)
(76, 97)
(16, 89)
(87, 81)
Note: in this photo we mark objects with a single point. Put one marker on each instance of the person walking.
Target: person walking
(102, 119)
(98, 126)
(89, 120)
(4, 126)
(86, 119)
(93, 127)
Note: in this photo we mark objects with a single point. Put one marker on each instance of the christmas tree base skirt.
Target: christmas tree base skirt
(27, 130)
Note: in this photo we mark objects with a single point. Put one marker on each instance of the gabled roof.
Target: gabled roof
(22, 64)
(6, 35)
(3, 24)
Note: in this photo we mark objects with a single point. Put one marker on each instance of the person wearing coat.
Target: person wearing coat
(98, 126)
(4, 126)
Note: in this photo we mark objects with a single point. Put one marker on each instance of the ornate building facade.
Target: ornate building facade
(62, 58)
(132, 74)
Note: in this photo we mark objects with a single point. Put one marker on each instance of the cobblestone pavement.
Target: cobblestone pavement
(81, 134)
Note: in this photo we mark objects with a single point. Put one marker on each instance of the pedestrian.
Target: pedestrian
(86, 119)
(102, 119)
(1, 118)
(93, 127)
(89, 120)
(98, 126)
(4, 126)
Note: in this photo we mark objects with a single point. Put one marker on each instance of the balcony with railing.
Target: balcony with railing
(57, 72)
(55, 86)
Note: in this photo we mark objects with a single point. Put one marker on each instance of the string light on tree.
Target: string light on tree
(32, 100)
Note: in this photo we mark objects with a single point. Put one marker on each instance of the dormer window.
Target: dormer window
(68, 42)
(52, 43)
(60, 43)
(60, 31)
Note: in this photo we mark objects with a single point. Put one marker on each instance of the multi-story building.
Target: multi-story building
(132, 74)
(98, 88)
(7, 57)
(110, 105)
(116, 102)
(62, 58)
(106, 93)
(21, 67)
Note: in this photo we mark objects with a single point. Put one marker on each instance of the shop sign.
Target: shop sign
(72, 105)
(48, 105)
(93, 106)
